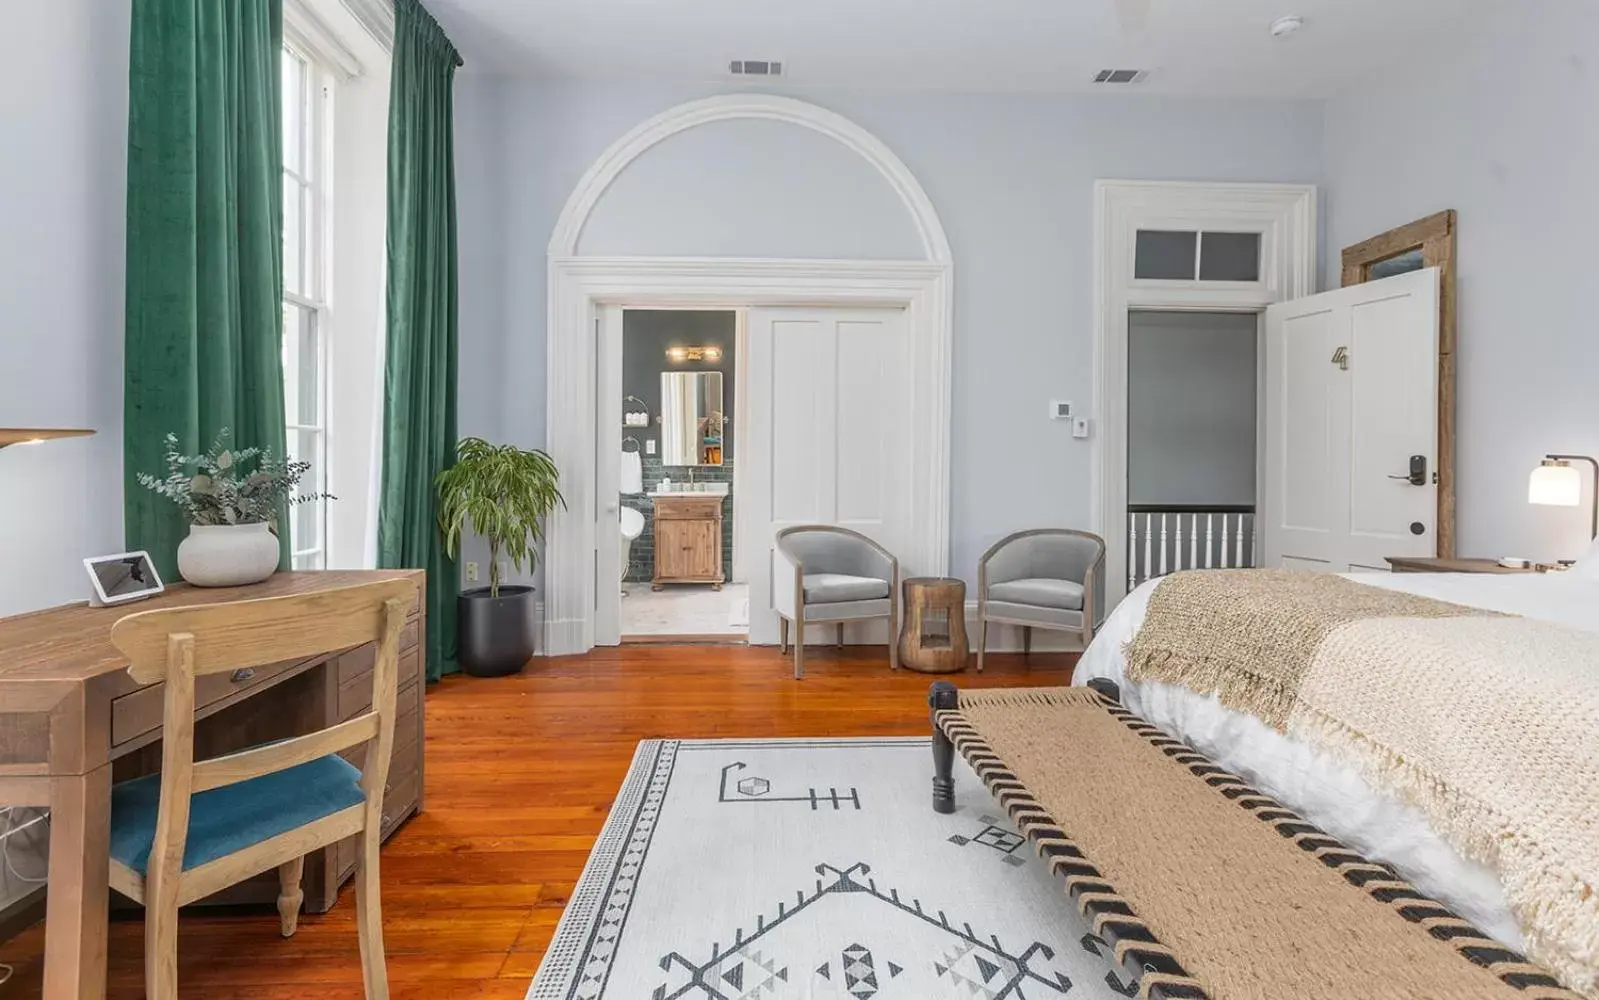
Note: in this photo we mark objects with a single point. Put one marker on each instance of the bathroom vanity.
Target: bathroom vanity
(688, 538)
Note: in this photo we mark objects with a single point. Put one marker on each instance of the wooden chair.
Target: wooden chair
(200, 826)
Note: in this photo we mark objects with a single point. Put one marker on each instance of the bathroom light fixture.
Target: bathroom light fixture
(1286, 25)
(1554, 483)
(709, 352)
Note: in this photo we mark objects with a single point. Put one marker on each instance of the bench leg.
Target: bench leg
(942, 697)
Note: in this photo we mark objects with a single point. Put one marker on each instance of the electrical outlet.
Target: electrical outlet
(1079, 427)
(471, 572)
(649, 447)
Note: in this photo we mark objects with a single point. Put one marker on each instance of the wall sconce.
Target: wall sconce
(709, 352)
(1554, 483)
(38, 435)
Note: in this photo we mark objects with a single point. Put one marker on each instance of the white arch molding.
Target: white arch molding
(579, 285)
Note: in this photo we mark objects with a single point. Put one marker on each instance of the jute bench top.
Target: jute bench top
(1209, 886)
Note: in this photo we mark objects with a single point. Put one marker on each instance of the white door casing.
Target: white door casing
(1351, 395)
(608, 476)
(828, 441)
(579, 285)
(1285, 217)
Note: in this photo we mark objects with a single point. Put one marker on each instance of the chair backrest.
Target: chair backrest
(826, 548)
(176, 645)
(1050, 553)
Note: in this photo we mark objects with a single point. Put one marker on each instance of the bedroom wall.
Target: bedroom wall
(1011, 177)
(63, 105)
(1500, 129)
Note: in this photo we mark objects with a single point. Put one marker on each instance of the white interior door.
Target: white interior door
(1352, 411)
(829, 393)
(608, 477)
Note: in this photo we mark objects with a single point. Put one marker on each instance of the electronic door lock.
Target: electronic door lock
(1418, 471)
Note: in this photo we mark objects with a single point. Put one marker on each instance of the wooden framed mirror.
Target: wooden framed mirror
(1428, 242)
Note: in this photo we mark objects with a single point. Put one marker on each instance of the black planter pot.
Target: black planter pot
(496, 633)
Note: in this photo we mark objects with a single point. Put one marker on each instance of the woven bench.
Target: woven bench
(1202, 886)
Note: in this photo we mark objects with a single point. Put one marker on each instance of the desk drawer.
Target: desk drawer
(355, 687)
(138, 712)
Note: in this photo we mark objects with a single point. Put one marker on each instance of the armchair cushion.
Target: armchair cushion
(832, 588)
(1039, 592)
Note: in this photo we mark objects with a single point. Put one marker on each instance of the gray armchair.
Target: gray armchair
(823, 573)
(1050, 578)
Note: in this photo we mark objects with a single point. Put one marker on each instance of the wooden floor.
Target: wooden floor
(520, 775)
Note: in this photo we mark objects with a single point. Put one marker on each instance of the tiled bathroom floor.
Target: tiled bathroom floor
(686, 609)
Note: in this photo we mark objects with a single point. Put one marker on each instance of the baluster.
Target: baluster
(1254, 542)
(1210, 540)
(1164, 532)
(1226, 524)
(1132, 551)
(1193, 542)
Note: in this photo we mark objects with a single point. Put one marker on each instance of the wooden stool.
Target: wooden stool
(932, 639)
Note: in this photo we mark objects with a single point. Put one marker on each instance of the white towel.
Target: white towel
(632, 472)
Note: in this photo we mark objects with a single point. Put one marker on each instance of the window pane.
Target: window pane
(1165, 255)
(1410, 260)
(293, 112)
(302, 366)
(306, 446)
(1229, 257)
(293, 236)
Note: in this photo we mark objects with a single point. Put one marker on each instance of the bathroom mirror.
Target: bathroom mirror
(691, 418)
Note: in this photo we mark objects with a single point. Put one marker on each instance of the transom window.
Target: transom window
(306, 218)
(1186, 255)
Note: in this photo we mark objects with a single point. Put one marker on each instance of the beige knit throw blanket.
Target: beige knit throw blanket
(1487, 723)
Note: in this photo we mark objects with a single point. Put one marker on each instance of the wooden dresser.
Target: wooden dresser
(688, 540)
(72, 722)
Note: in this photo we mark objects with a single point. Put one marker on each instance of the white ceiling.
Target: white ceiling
(1196, 47)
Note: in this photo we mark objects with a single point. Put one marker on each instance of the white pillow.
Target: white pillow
(1587, 567)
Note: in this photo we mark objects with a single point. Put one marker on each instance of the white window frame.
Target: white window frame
(316, 180)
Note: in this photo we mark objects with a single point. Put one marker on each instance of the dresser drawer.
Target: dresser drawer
(355, 689)
(688, 508)
(138, 712)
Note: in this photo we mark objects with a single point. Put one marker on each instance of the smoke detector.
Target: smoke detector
(768, 68)
(1285, 26)
(1121, 76)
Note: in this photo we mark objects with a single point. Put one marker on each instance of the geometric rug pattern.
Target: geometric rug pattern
(814, 869)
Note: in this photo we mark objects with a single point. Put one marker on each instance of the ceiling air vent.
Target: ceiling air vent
(755, 67)
(1121, 76)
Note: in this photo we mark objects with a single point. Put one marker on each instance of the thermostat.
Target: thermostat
(1060, 409)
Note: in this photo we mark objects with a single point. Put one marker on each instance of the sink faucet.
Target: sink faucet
(691, 475)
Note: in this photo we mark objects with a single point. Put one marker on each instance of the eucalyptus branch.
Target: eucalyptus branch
(217, 487)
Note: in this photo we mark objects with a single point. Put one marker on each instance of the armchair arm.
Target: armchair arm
(786, 587)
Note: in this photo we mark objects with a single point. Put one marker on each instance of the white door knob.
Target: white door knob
(610, 508)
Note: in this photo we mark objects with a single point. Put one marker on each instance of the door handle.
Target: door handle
(1341, 358)
(1417, 476)
(610, 508)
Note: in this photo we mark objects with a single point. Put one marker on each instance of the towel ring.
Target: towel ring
(637, 400)
(636, 446)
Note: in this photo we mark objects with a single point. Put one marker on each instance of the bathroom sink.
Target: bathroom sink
(692, 490)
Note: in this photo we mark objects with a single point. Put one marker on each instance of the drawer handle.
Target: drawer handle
(384, 820)
(242, 674)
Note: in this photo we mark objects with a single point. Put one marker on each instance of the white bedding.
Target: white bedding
(1317, 785)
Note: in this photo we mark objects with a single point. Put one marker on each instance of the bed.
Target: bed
(1319, 785)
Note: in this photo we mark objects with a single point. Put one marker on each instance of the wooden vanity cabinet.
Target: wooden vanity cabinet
(688, 541)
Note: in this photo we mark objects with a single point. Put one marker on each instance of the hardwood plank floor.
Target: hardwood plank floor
(520, 775)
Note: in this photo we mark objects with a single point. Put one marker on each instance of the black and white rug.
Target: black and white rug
(814, 869)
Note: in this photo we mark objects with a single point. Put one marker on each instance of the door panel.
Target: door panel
(1352, 394)
(827, 442)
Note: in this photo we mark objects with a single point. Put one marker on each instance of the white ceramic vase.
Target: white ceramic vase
(227, 555)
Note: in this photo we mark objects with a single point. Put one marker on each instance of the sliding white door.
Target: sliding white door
(829, 442)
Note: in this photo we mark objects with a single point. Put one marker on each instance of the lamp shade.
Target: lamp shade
(1555, 484)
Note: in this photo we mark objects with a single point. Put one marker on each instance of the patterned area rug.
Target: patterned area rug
(814, 869)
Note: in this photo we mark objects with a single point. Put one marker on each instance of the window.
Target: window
(1184, 255)
(306, 219)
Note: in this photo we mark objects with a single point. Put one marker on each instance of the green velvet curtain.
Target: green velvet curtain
(204, 244)
(419, 433)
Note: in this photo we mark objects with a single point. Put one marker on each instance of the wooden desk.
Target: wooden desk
(72, 722)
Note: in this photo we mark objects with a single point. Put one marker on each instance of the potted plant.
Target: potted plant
(232, 509)
(504, 493)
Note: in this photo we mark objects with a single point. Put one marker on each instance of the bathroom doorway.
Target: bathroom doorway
(677, 456)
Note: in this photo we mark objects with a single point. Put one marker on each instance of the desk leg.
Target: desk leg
(75, 909)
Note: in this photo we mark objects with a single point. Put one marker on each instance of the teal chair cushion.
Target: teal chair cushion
(233, 817)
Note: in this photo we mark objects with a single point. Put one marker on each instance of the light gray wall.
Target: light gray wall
(1501, 129)
(1011, 176)
(63, 125)
(1191, 400)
